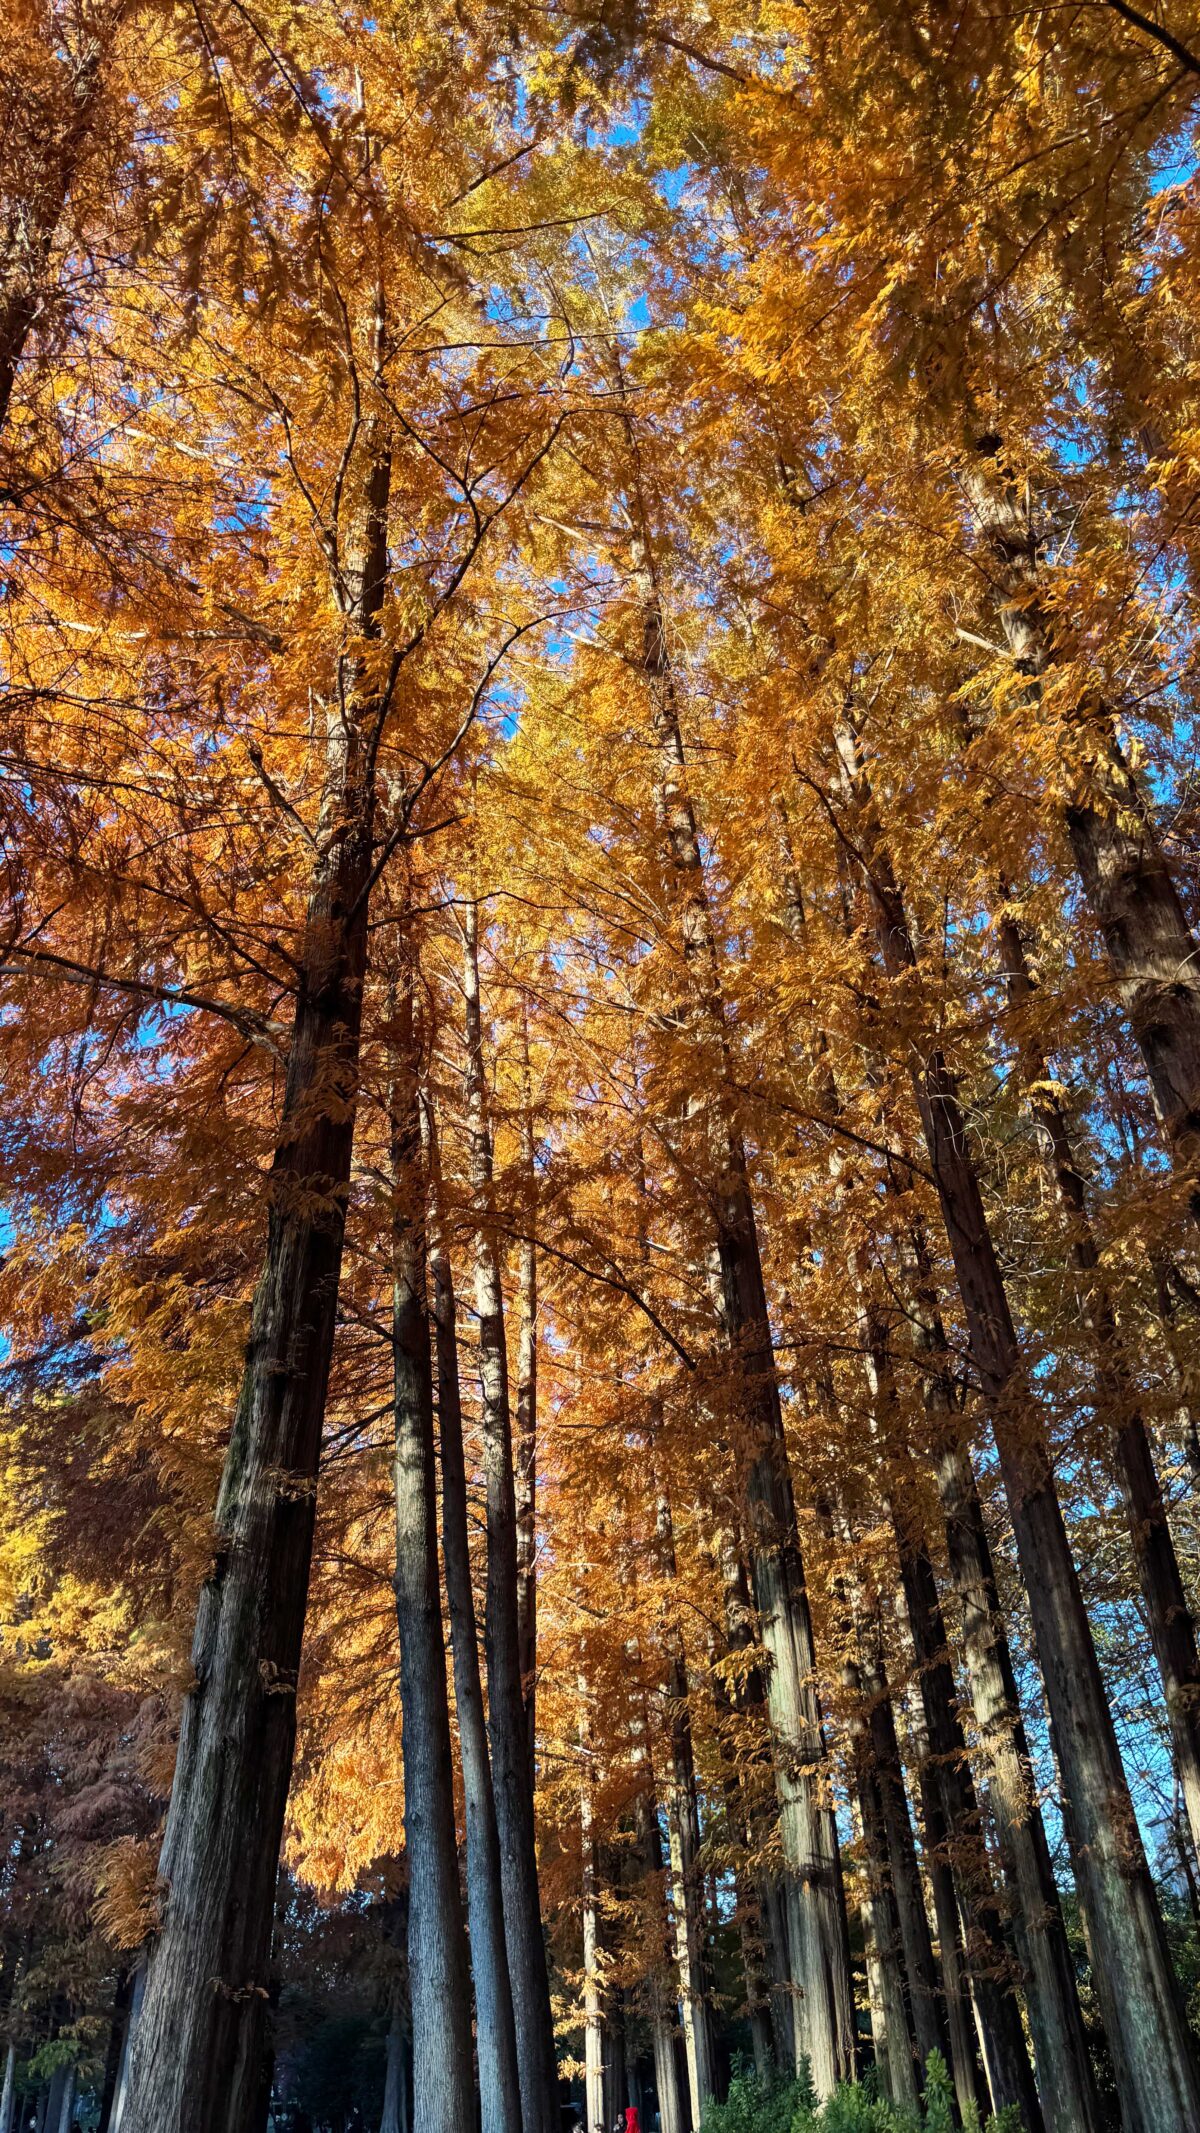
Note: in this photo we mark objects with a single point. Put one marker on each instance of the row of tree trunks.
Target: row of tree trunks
(437, 1947)
(1155, 2067)
(1168, 1615)
(198, 2047)
(496, 2036)
(507, 1720)
(818, 1935)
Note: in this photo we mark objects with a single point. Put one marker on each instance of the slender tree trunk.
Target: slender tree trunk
(437, 1952)
(8, 2093)
(507, 1725)
(946, 1773)
(818, 1931)
(114, 2052)
(499, 2081)
(198, 2046)
(593, 1990)
(395, 2080)
(526, 1445)
(1067, 2084)
(1172, 1629)
(120, 2100)
(1154, 956)
(1155, 2068)
(683, 1830)
(662, 2007)
(898, 1988)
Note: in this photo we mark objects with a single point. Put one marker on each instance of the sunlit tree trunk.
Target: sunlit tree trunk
(1152, 2053)
(197, 2049)
(526, 1444)
(1168, 1614)
(507, 1724)
(683, 1833)
(818, 1935)
(499, 2084)
(437, 1950)
(593, 1990)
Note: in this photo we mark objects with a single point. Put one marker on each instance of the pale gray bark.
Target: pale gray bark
(818, 1940)
(499, 2081)
(1152, 2053)
(439, 1985)
(8, 2093)
(527, 1391)
(1168, 1614)
(507, 1724)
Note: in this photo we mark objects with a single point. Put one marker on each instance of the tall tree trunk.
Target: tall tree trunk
(1172, 1629)
(395, 2080)
(526, 1445)
(437, 1951)
(507, 1726)
(900, 1989)
(198, 2046)
(8, 2093)
(114, 2051)
(499, 2081)
(1068, 2091)
(593, 1990)
(818, 1933)
(1152, 2053)
(683, 1832)
(1126, 878)
(662, 2007)
(960, 1841)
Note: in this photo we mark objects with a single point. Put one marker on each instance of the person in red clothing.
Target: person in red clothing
(633, 2123)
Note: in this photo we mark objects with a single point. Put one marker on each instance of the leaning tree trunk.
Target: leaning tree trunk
(499, 2081)
(197, 2050)
(507, 1725)
(439, 1982)
(1152, 2054)
(1172, 1628)
(818, 1931)
(1126, 878)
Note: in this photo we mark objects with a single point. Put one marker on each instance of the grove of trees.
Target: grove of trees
(600, 1057)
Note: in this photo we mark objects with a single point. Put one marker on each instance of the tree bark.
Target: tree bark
(198, 2045)
(507, 1725)
(1170, 1620)
(526, 1444)
(593, 1991)
(683, 1833)
(499, 2081)
(904, 1985)
(437, 1952)
(818, 1931)
(395, 2080)
(117, 2033)
(1155, 2067)
(1126, 878)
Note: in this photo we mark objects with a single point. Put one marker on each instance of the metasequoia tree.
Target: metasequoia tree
(598, 1025)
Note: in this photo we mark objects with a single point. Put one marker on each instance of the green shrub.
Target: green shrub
(791, 2107)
